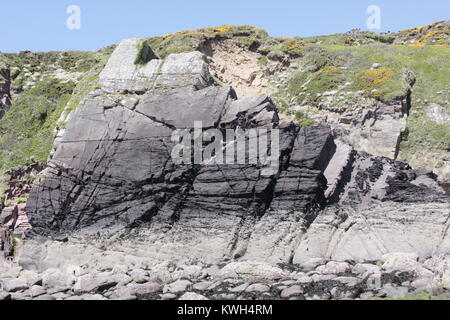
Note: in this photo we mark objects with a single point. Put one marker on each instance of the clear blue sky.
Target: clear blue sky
(41, 25)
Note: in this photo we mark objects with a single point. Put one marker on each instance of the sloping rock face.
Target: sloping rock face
(112, 181)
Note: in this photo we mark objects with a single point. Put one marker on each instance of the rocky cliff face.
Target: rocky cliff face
(114, 215)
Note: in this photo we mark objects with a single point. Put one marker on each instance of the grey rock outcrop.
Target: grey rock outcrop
(375, 130)
(5, 91)
(400, 275)
(112, 181)
(438, 113)
(133, 67)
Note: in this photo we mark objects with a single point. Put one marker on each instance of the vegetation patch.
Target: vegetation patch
(263, 61)
(433, 34)
(335, 72)
(336, 76)
(78, 61)
(354, 37)
(15, 201)
(145, 54)
(3, 187)
(250, 37)
(185, 41)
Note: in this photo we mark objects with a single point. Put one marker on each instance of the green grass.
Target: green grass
(281, 104)
(79, 61)
(250, 37)
(432, 68)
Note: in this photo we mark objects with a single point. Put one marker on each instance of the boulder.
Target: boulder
(202, 286)
(135, 291)
(364, 269)
(58, 280)
(9, 216)
(36, 291)
(312, 264)
(31, 278)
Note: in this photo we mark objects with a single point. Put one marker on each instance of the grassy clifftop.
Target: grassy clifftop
(250, 37)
